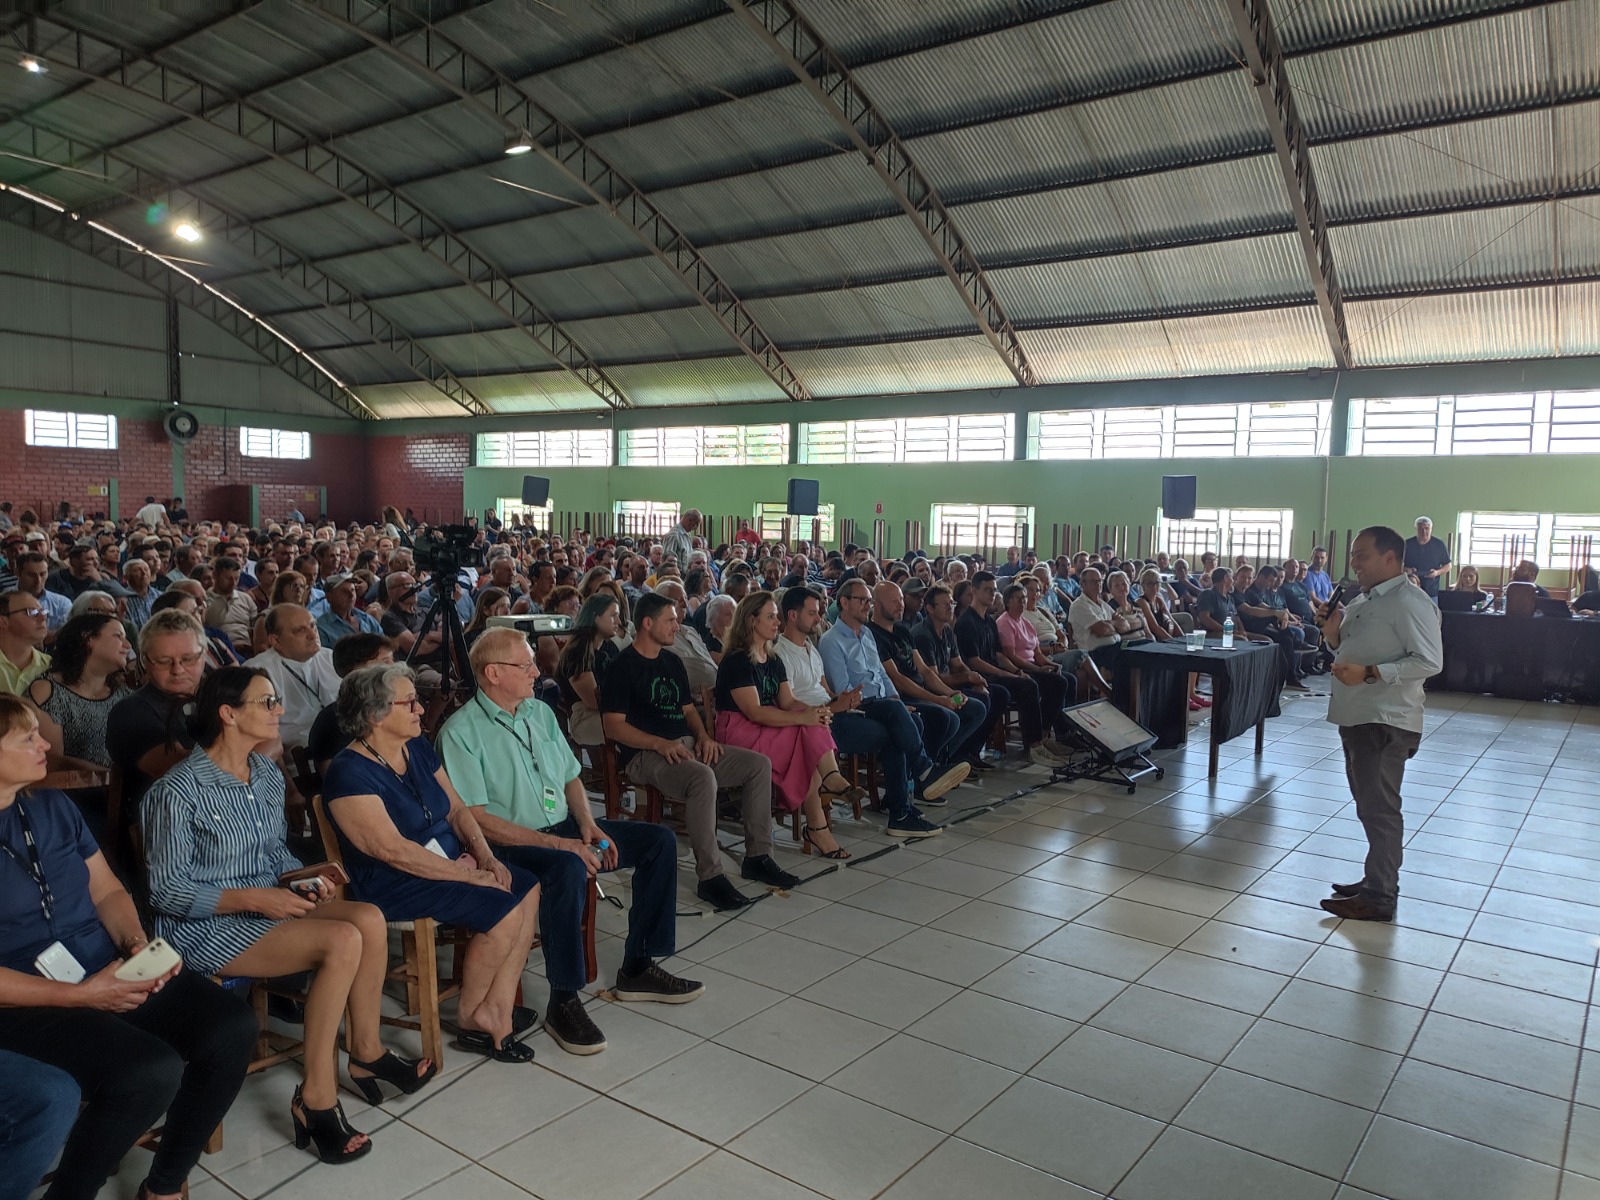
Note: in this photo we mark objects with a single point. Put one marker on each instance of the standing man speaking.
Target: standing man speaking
(1386, 642)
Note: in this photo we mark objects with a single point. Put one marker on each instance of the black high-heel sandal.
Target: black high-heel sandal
(809, 845)
(392, 1069)
(850, 794)
(328, 1128)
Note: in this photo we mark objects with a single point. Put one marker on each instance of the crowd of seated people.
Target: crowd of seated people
(208, 667)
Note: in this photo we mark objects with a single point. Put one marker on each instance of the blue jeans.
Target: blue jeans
(945, 731)
(885, 728)
(652, 852)
(41, 1106)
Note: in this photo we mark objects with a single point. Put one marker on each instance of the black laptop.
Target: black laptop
(1458, 601)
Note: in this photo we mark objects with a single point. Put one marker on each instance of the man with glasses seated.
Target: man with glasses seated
(507, 758)
(22, 631)
(146, 734)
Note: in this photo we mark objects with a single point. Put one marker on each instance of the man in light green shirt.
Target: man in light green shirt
(508, 760)
(22, 630)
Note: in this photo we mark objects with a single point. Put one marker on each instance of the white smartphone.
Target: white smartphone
(155, 960)
(57, 963)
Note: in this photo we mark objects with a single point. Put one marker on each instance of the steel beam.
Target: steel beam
(122, 175)
(170, 281)
(825, 75)
(62, 45)
(424, 48)
(1269, 79)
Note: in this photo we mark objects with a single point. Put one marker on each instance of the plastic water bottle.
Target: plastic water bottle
(1227, 634)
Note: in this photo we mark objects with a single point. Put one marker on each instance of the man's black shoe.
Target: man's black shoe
(1356, 908)
(1352, 889)
(763, 869)
(720, 893)
(655, 984)
(569, 1025)
(977, 764)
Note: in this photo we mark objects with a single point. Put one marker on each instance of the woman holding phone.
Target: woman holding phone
(174, 1044)
(216, 837)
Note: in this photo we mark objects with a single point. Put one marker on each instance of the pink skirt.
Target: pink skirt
(795, 751)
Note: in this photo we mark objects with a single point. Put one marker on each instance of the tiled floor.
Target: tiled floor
(1078, 994)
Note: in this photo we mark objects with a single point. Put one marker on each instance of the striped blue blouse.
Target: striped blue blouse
(206, 832)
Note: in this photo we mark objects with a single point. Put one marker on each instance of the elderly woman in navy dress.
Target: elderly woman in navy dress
(414, 849)
(216, 838)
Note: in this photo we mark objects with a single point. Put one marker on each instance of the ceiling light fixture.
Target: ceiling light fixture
(186, 231)
(32, 65)
(521, 144)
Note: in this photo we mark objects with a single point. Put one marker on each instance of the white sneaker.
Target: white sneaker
(1040, 757)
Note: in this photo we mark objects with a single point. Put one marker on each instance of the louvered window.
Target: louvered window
(704, 446)
(545, 448)
(273, 443)
(964, 437)
(70, 431)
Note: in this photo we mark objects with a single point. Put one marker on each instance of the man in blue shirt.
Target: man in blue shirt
(1318, 582)
(1428, 557)
(850, 660)
(342, 616)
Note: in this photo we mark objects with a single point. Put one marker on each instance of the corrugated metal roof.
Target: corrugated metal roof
(406, 400)
(1463, 327)
(1265, 270)
(1579, 330)
(936, 365)
(631, 285)
(642, 337)
(1490, 248)
(918, 308)
(839, 256)
(734, 380)
(1482, 66)
(535, 391)
(1481, 162)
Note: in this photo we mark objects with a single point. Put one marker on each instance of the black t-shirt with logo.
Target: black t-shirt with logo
(978, 637)
(650, 692)
(739, 670)
(899, 647)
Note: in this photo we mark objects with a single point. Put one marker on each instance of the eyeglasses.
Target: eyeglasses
(167, 664)
(411, 702)
(270, 703)
(520, 666)
(34, 611)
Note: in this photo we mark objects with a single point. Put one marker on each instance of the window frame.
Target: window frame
(948, 438)
(704, 446)
(72, 435)
(281, 444)
(545, 448)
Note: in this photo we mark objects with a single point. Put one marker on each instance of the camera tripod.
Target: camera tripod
(455, 676)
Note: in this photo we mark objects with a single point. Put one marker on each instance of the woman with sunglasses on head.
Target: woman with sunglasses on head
(415, 850)
(175, 1044)
(216, 837)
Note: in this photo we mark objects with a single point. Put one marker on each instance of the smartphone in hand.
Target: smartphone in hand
(154, 961)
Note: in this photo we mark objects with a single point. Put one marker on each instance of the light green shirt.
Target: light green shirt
(15, 679)
(1395, 628)
(516, 766)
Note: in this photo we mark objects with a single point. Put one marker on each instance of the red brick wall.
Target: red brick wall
(38, 477)
(212, 463)
(362, 474)
(422, 473)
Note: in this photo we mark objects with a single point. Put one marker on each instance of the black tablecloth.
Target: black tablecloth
(1244, 686)
(1522, 658)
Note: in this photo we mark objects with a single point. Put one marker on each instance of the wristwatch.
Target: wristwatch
(1371, 676)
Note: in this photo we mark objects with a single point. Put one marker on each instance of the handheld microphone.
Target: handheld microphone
(1333, 602)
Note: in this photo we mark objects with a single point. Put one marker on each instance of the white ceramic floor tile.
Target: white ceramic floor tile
(1124, 1072)
(958, 1170)
(1176, 1023)
(994, 1030)
(924, 1082)
(880, 993)
(1281, 1122)
(1051, 987)
(1507, 1118)
(804, 1038)
(1080, 1139)
(1407, 1162)
(712, 1092)
(998, 924)
(944, 956)
(562, 1161)
(1316, 1062)
(1199, 1168)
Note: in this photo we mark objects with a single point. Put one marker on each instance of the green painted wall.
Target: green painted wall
(1359, 491)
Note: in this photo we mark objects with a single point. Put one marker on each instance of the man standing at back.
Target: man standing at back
(1428, 557)
(1386, 644)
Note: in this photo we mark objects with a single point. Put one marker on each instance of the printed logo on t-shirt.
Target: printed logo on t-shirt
(666, 697)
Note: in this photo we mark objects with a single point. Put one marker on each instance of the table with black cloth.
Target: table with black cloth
(1521, 658)
(1152, 687)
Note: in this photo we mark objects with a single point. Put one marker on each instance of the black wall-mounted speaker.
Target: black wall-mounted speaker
(1177, 496)
(535, 491)
(803, 497)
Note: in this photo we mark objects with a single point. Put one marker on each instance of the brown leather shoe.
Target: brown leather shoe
(1356, 908)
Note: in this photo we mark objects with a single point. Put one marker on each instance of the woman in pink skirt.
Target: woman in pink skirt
(757, 710)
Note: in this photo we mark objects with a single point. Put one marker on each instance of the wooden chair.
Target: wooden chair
(418, 969)
(307, 782)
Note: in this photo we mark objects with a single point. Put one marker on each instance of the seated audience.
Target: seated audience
(85, 682)
(530, 804)
(1097, 627)
(1119, 595)
(140, 592)
(1527, 571)
(176, 1045)
(1154, 610)
(22, 634)
(1184, 586)
(82, 571)
(757, 709)
(850, 662)
(490, 602)
(689, 646)
(414, 850)
(290, 587)
(1266, 614)
(1318, 582)
(583, 661)
(301, 669)
(146, 734)
(227, 607)
(358, 650)
(266, 572)
(978, 637)
(1020, 645)
(662, 742)
(952, 722)
(935, 638)
(41, 1107)
(217, 844)
(342, 616)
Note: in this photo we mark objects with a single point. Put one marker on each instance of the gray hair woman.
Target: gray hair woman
(93, 601)
(412, 848)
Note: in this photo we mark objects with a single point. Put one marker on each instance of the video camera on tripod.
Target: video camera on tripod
(445, 549)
